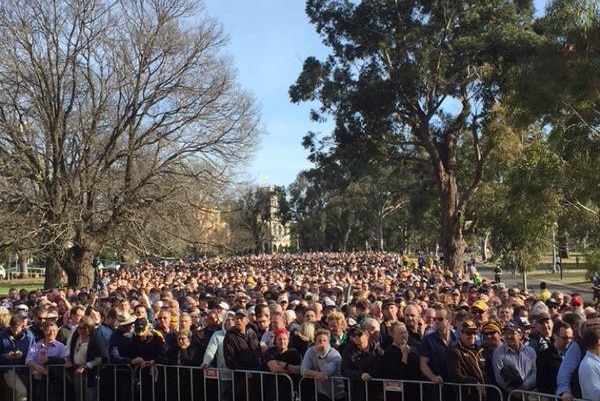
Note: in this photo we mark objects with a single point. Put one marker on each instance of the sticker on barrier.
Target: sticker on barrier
(211, 373)
(392, 386)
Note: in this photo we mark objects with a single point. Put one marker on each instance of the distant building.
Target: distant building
(277, 236)
(212, 230)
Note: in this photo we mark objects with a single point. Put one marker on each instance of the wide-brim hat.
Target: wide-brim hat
(125, 319)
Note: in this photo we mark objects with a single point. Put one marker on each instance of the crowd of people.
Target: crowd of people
(339, 324)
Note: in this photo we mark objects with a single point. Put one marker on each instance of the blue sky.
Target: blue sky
(268, 42)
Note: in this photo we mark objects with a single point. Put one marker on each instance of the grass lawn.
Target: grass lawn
(28, 284)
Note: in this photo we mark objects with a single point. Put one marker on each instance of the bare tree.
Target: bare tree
(107, 110)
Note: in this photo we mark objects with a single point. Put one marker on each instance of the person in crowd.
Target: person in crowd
(567, 379)
(74, 315)
(15, 342)
(262, 324)
(281, 359)
(414, 324)
(304, 337)
(268, 338)
(429, 320)
(589, 371)
(120, 353)
(146, 346)
(336, 323)
(400, 361)
(464, 364)
(390, 316)
(544, 292)
(40, 315)
(164, 327)
(492, 339)
(514, 363)
(433, 354)
(241, 349)
(541, 339)
(322, 363)
(186, 383)
(215, 357)
(361, 361)
(549, 360)
(45, 360)
(505, 314)
(87, 352)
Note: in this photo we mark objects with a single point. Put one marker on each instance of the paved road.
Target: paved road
(533, 283)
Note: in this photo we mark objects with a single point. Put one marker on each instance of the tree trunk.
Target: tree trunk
(78, 266)
(23, 256)
(484, 246)
(379, 234)
(451, 237)
(53, 273)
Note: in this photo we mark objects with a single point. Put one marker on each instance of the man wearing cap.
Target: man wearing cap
(576, 302)
(146, 345)
(541, 340)
(361, 360)
(390, 316)
(553, 308)
(491, 333)
(464, 363)
(514, 363)
(241, 349)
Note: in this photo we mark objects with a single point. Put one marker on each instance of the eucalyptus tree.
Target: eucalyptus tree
(109, 109)
(423, 77)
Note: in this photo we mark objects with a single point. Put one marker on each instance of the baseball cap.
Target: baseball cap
(511, 326)
(576, 300)
(469, 326)
(491, 326)
(140, 324)
(241, 312)
(479, 305)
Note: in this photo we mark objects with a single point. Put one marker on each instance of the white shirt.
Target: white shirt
(589, 372)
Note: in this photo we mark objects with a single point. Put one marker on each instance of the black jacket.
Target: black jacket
(548, 362)
(242, 350)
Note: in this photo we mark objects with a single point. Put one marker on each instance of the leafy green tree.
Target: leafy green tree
(529, 201)
(421, 78)
(560, 86)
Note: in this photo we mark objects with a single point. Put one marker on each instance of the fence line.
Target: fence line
(117, 382)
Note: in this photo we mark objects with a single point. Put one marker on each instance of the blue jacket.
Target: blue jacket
(10, 343)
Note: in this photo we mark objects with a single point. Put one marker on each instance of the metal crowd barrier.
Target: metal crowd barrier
(190, 383)
(334, 388)
(523, 395)
(408, 390)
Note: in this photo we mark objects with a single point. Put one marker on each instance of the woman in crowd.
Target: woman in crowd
(87, 352)
(304, 337)
(183, 384)
(281, 359)
(401, 362)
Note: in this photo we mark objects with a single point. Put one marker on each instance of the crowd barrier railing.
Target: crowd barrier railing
(524, 395)
(408, 390)
(189, 383)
